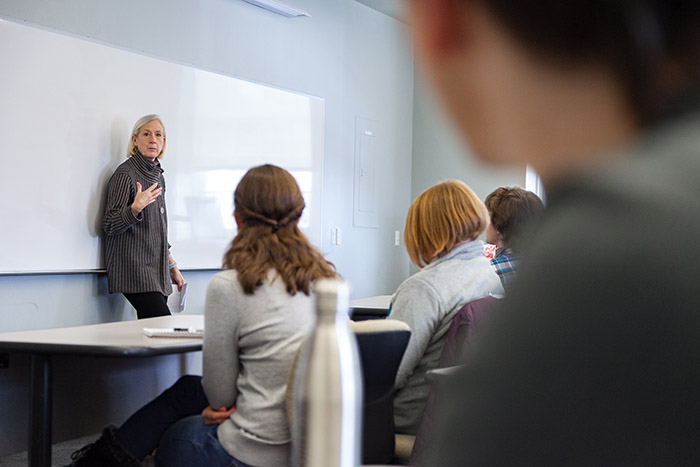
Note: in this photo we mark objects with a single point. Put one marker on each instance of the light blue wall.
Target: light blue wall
(357, 59)
(440, 154)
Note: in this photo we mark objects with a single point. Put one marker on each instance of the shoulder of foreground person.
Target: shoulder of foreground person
(594, 357)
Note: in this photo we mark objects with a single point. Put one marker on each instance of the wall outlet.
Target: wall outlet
(397, 238)
(335, 236)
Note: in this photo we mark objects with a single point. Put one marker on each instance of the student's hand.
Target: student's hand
(214, 416)
(145, 197)
(177, 278)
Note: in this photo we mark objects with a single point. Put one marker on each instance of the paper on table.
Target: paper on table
(177, 299)
(173, 332)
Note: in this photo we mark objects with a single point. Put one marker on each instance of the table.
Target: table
(121, 339)
(376, 307)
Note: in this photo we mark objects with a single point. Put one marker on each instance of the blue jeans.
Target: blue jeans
(172, 423)
(190, 442)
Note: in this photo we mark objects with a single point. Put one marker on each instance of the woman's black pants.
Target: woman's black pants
(149, 304)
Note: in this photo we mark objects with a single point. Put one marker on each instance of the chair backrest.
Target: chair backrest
(381, 345)
(458, 340)
(462, 330)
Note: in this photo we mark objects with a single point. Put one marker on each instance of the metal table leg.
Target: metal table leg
(40, 408)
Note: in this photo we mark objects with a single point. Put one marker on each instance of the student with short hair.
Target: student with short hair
(511, 210)
(441, 237)
(594, 357)
(257, 313)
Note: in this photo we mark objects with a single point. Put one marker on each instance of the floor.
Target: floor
(60, 453)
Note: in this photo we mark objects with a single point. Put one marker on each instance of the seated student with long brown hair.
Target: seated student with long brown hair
(258, 311)
(441, 232)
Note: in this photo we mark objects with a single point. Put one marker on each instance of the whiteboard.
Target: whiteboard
(68, 106)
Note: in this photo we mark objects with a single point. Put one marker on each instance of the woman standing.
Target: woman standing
(441, 232)
(137, 253)
(257, 313)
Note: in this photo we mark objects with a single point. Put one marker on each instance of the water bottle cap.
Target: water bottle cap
(332, 295)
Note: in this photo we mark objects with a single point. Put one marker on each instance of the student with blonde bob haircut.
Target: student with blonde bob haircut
(440, 218)
(442, 227)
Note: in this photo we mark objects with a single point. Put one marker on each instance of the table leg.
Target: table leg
(40, 407)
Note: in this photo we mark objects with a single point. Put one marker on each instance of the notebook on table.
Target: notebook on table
(173, 332)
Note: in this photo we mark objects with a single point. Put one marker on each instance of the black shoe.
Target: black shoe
(105, 452)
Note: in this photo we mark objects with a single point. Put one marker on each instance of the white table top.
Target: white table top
(377, 302)
(120, 339)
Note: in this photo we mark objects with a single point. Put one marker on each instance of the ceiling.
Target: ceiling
(393, 8)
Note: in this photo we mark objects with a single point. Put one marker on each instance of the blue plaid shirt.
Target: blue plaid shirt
(505, 262)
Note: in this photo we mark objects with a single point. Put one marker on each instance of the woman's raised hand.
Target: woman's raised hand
(145, 197)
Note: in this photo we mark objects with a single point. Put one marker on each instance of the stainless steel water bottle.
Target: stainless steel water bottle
(328, 387)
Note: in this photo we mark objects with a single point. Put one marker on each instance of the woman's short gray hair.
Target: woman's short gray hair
(131, 148)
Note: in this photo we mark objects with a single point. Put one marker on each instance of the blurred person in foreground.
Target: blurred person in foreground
(594, 358)
(512, 211)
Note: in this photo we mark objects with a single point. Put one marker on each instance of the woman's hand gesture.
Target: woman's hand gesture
(145, 197)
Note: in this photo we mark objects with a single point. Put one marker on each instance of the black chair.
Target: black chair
(381, 345)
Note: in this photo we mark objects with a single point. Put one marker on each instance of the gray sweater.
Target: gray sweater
(427, 302)
(249, 344)
(136, 248)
